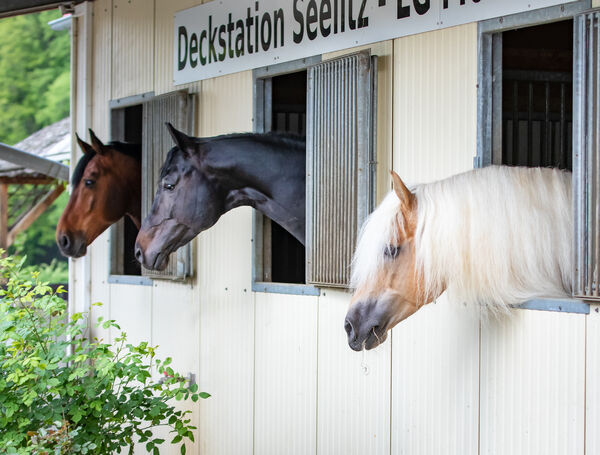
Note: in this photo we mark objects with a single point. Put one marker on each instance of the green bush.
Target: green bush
(62, 392)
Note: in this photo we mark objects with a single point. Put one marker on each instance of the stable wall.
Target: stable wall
(282, 378)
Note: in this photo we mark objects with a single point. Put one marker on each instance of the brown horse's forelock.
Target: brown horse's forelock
(132, 150)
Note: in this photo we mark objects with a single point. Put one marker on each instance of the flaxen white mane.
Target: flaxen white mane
(495, 236)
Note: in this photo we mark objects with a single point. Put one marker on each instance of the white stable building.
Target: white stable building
(428, 88)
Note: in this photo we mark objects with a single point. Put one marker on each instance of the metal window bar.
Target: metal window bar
(537, 122)
(340, 129)
(586, 157)
(177, 108)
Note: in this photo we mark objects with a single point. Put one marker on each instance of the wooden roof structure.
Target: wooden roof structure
(35, 170)
(16, 7)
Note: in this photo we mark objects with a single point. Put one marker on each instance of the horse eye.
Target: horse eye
(392, 252)
(89, 182)
(168, 186)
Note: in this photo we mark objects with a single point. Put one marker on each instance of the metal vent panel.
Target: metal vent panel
(586, 163)
(339, 160)
(176, 108)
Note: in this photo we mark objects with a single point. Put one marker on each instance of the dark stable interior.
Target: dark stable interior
(537, 100)
(132, 133)
(287, 255)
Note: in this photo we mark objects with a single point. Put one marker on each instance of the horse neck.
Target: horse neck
(265, 175)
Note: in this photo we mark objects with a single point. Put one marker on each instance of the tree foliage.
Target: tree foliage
(63, 392)
(34, 93)
(34, 75)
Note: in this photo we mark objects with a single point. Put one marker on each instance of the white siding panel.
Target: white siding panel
(176, 332)
(224, 252)
(286, 374)
(100, 289)
(435, 103)
(165, 10)
(532, 384)
(226, 335)
(101, 64)
(435, 369)
(132, 47)
(353, 414)
(592, 396)
(131, 307)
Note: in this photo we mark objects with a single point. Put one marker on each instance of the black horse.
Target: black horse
(202, 178)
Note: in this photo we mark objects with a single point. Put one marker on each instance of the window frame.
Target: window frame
(261, 123)
(115, 231)
(489, 111)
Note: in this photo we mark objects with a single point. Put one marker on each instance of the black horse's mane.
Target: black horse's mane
(126, 148)
(290, 140)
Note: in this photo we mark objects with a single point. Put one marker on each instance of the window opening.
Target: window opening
(537, 100)
(283, 255)
(126, 126)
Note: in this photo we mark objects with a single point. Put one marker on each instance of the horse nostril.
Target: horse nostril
(64, 241)
(350, 330)
(138, 253)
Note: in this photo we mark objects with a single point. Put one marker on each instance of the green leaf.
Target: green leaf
(183, 449)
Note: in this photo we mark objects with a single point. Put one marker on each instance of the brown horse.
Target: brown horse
(492, 237)
(106, 185)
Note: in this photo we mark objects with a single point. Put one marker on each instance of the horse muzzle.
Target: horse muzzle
(366, 325)
(70, 244)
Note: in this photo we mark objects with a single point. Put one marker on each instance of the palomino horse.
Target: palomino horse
(106, 185)
(202, 178)
(493, 237)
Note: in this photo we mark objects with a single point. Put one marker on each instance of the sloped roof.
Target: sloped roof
(52, 143)
(16, 7)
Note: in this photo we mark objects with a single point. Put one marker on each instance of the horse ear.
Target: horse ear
(180, 139)
(84, 146)
(97, 144)
(407, 198)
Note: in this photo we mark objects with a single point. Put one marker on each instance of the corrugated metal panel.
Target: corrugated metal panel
(176, 332)
(101, 64)
(586, 156)
(178, 109)
(163, 52)
(353, 388)
(533, 384)
(131, 307)
(435, 103)
(227, 333)
(338, 149)
(132, 47)
(226, 354)
(435, 373)
(226, 104)
(384, 51)
(592, 392)
(285, 408)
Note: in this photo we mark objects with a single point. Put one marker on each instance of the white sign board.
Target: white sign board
(227, 36)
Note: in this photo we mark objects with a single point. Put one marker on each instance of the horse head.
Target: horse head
(385, 277)
(105, 185)
(187, 201)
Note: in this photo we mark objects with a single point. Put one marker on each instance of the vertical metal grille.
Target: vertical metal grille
(537, 118)
(339, 159)
(176, 108)
(586, 163)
